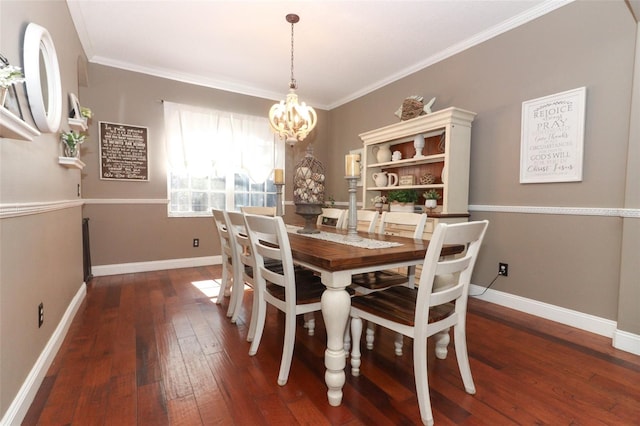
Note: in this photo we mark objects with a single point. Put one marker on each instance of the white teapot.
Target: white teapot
(385, 179)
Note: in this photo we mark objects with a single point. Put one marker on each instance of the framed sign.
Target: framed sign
(124, 152)
(551, 147)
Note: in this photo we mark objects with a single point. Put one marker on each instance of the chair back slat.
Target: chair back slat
(239, 236)
(263, 211)
(405, 224)
(331, 217)
(269, 240)
(366, 220)
(221, 226)
(457, 271)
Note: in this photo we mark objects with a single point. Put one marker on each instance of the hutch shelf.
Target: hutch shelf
(445, 157)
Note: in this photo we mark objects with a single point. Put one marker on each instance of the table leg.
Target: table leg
(336, 304)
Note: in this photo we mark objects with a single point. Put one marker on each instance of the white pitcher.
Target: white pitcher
(385, 179)
(383, 153)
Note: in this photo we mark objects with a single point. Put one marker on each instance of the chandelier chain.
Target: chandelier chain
(292, 84)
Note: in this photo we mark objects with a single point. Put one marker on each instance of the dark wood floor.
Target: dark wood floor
(154, 349)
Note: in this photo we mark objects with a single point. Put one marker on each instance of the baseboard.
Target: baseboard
(580, 320)
(626, 341)
(155, 265)
(21, 403)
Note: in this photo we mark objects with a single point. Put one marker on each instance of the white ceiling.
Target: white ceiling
(343, 49)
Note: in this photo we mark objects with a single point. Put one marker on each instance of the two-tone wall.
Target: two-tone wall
(572, 247)
(40, 221)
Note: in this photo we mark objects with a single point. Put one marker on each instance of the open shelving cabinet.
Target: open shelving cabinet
(446, 156)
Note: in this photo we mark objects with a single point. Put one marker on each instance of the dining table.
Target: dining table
(336, 260)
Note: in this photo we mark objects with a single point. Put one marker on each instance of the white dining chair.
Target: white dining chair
(227, 259)
(425, 311)
(243, 264)
(366, 220)
(264, 211)
(293, 292)
(331, 217)
(406, 224)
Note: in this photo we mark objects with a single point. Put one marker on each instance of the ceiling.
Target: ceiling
(342, 49)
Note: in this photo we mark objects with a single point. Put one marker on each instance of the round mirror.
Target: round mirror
(42, 78)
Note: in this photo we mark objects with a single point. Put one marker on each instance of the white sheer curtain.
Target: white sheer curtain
(202, 140)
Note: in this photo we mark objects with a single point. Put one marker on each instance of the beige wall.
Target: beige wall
(629, 308)
(40, 254)
(126, 233)
(564, 260)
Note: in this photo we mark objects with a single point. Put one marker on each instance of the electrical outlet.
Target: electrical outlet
(503, 269)
(40, 314)
(196, 242)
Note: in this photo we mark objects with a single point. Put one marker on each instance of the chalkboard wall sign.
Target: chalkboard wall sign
(124, 153)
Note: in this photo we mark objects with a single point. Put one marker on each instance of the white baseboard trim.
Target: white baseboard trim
(622, 340)
(591, 323)
(626, 341)
(154, 265)
(21, 403)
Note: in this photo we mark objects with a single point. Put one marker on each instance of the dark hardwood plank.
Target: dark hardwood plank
(121, 403)
(154, 349)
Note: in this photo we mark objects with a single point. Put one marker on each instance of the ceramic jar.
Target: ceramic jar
(383, 153)
(385, 179)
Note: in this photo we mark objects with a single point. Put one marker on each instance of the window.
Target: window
(218, 159)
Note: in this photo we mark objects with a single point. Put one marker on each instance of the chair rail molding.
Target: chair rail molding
(9, 210)
(573, 211)
(126, 201)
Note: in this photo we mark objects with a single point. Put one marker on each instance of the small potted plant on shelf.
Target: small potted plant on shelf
(9, 75)
(378, 201)
(72, 141)
(86, 113)
(402, 199)
(431, 198)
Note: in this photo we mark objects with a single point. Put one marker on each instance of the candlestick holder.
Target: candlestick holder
(352, 225)
(279, 209)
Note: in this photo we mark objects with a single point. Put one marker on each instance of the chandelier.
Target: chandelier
(291, 120)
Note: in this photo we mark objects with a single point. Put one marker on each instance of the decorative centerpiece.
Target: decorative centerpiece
(71, 141)
(308, 191)
(431, 199)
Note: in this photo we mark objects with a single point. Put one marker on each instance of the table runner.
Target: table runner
(367, 243)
